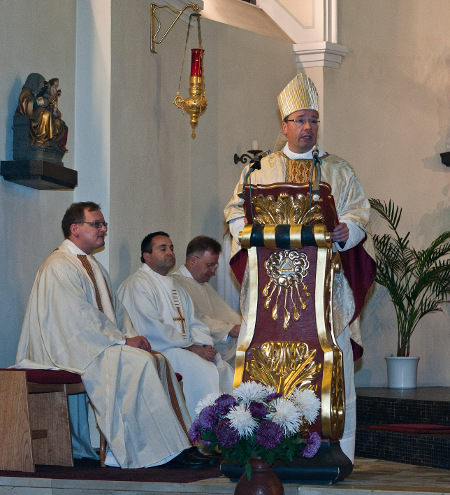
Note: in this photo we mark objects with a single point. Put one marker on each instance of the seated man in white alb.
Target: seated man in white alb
(162, 311)
(202, 256)
(74, 321)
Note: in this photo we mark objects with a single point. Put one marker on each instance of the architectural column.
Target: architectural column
(93, 106)
(313, 25)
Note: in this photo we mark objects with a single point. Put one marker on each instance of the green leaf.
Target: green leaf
(248, 471)
(418, 282)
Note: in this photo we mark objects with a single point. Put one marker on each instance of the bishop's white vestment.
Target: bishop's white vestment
(353, 208)
(137, 401)
(213, 311)
(162, 311)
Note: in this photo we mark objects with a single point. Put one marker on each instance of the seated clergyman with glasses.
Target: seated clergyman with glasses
(202, 256)
(74, 321)
(162, 311)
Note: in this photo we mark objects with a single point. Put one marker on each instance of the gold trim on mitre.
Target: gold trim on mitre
(299, 94)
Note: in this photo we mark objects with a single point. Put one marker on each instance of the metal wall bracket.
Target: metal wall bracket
(154, 20)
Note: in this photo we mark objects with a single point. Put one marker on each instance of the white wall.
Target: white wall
(38, 38)
(158, 177)
(387, 113)
(93, 106)
(161, 179)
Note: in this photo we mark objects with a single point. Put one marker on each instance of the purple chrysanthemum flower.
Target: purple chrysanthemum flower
(194, 431)
(273, 396)
(207, 417)
(224, 403)
(226, 434)
(269, 434)
(258, 409)
(312, 446)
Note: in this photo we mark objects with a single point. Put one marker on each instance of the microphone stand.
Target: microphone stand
(255, 164)
(314, 187)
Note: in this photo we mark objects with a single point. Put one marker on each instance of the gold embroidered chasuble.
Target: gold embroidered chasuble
(351, 204)
(298, 171)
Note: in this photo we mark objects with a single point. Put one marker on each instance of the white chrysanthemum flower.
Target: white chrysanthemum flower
(242, 420)
(250, 391)
(287, 415)
(208, 400)
(270, 389)
(308, 403)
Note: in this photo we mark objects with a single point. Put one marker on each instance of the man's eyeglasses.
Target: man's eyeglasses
(209, 265)
(96, 225)
(302, 122)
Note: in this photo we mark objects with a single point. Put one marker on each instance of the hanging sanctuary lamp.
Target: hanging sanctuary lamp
(195, 104)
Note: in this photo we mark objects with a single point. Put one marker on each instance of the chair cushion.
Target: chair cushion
(49, 376)
(57, 376)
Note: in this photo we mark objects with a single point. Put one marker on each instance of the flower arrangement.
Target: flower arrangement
(256, 421)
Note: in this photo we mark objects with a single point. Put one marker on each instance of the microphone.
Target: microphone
(315, 152)
(261, 155)
(316, 165)
(255, 164)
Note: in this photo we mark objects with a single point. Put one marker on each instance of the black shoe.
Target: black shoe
(213, 459)
(186, 460)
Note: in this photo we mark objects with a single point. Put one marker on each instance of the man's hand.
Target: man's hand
(234, 332)
(206, 352)
(340, 233)
(139, 342)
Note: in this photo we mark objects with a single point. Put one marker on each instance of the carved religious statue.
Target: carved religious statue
(39, 131)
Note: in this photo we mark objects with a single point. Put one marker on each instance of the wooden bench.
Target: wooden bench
(34, 418)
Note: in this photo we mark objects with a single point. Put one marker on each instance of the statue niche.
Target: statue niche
(39, 133)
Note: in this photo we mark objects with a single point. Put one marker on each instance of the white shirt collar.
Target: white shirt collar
(163, 279)
(184, 271)
(300, 156)
(73, 248)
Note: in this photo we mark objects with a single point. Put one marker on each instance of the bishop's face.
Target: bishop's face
(301, 134)
(85, 235)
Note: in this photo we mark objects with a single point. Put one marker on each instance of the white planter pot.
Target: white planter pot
(402, 371)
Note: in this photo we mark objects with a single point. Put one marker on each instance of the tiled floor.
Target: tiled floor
(369, 476)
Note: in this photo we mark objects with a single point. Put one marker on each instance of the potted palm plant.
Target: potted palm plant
(418, 283)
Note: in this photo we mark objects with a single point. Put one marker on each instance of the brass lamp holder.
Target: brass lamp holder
(195, 104)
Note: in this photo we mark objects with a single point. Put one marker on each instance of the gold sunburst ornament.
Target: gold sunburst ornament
(286, 270)
(284, 366)
(287, 209)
